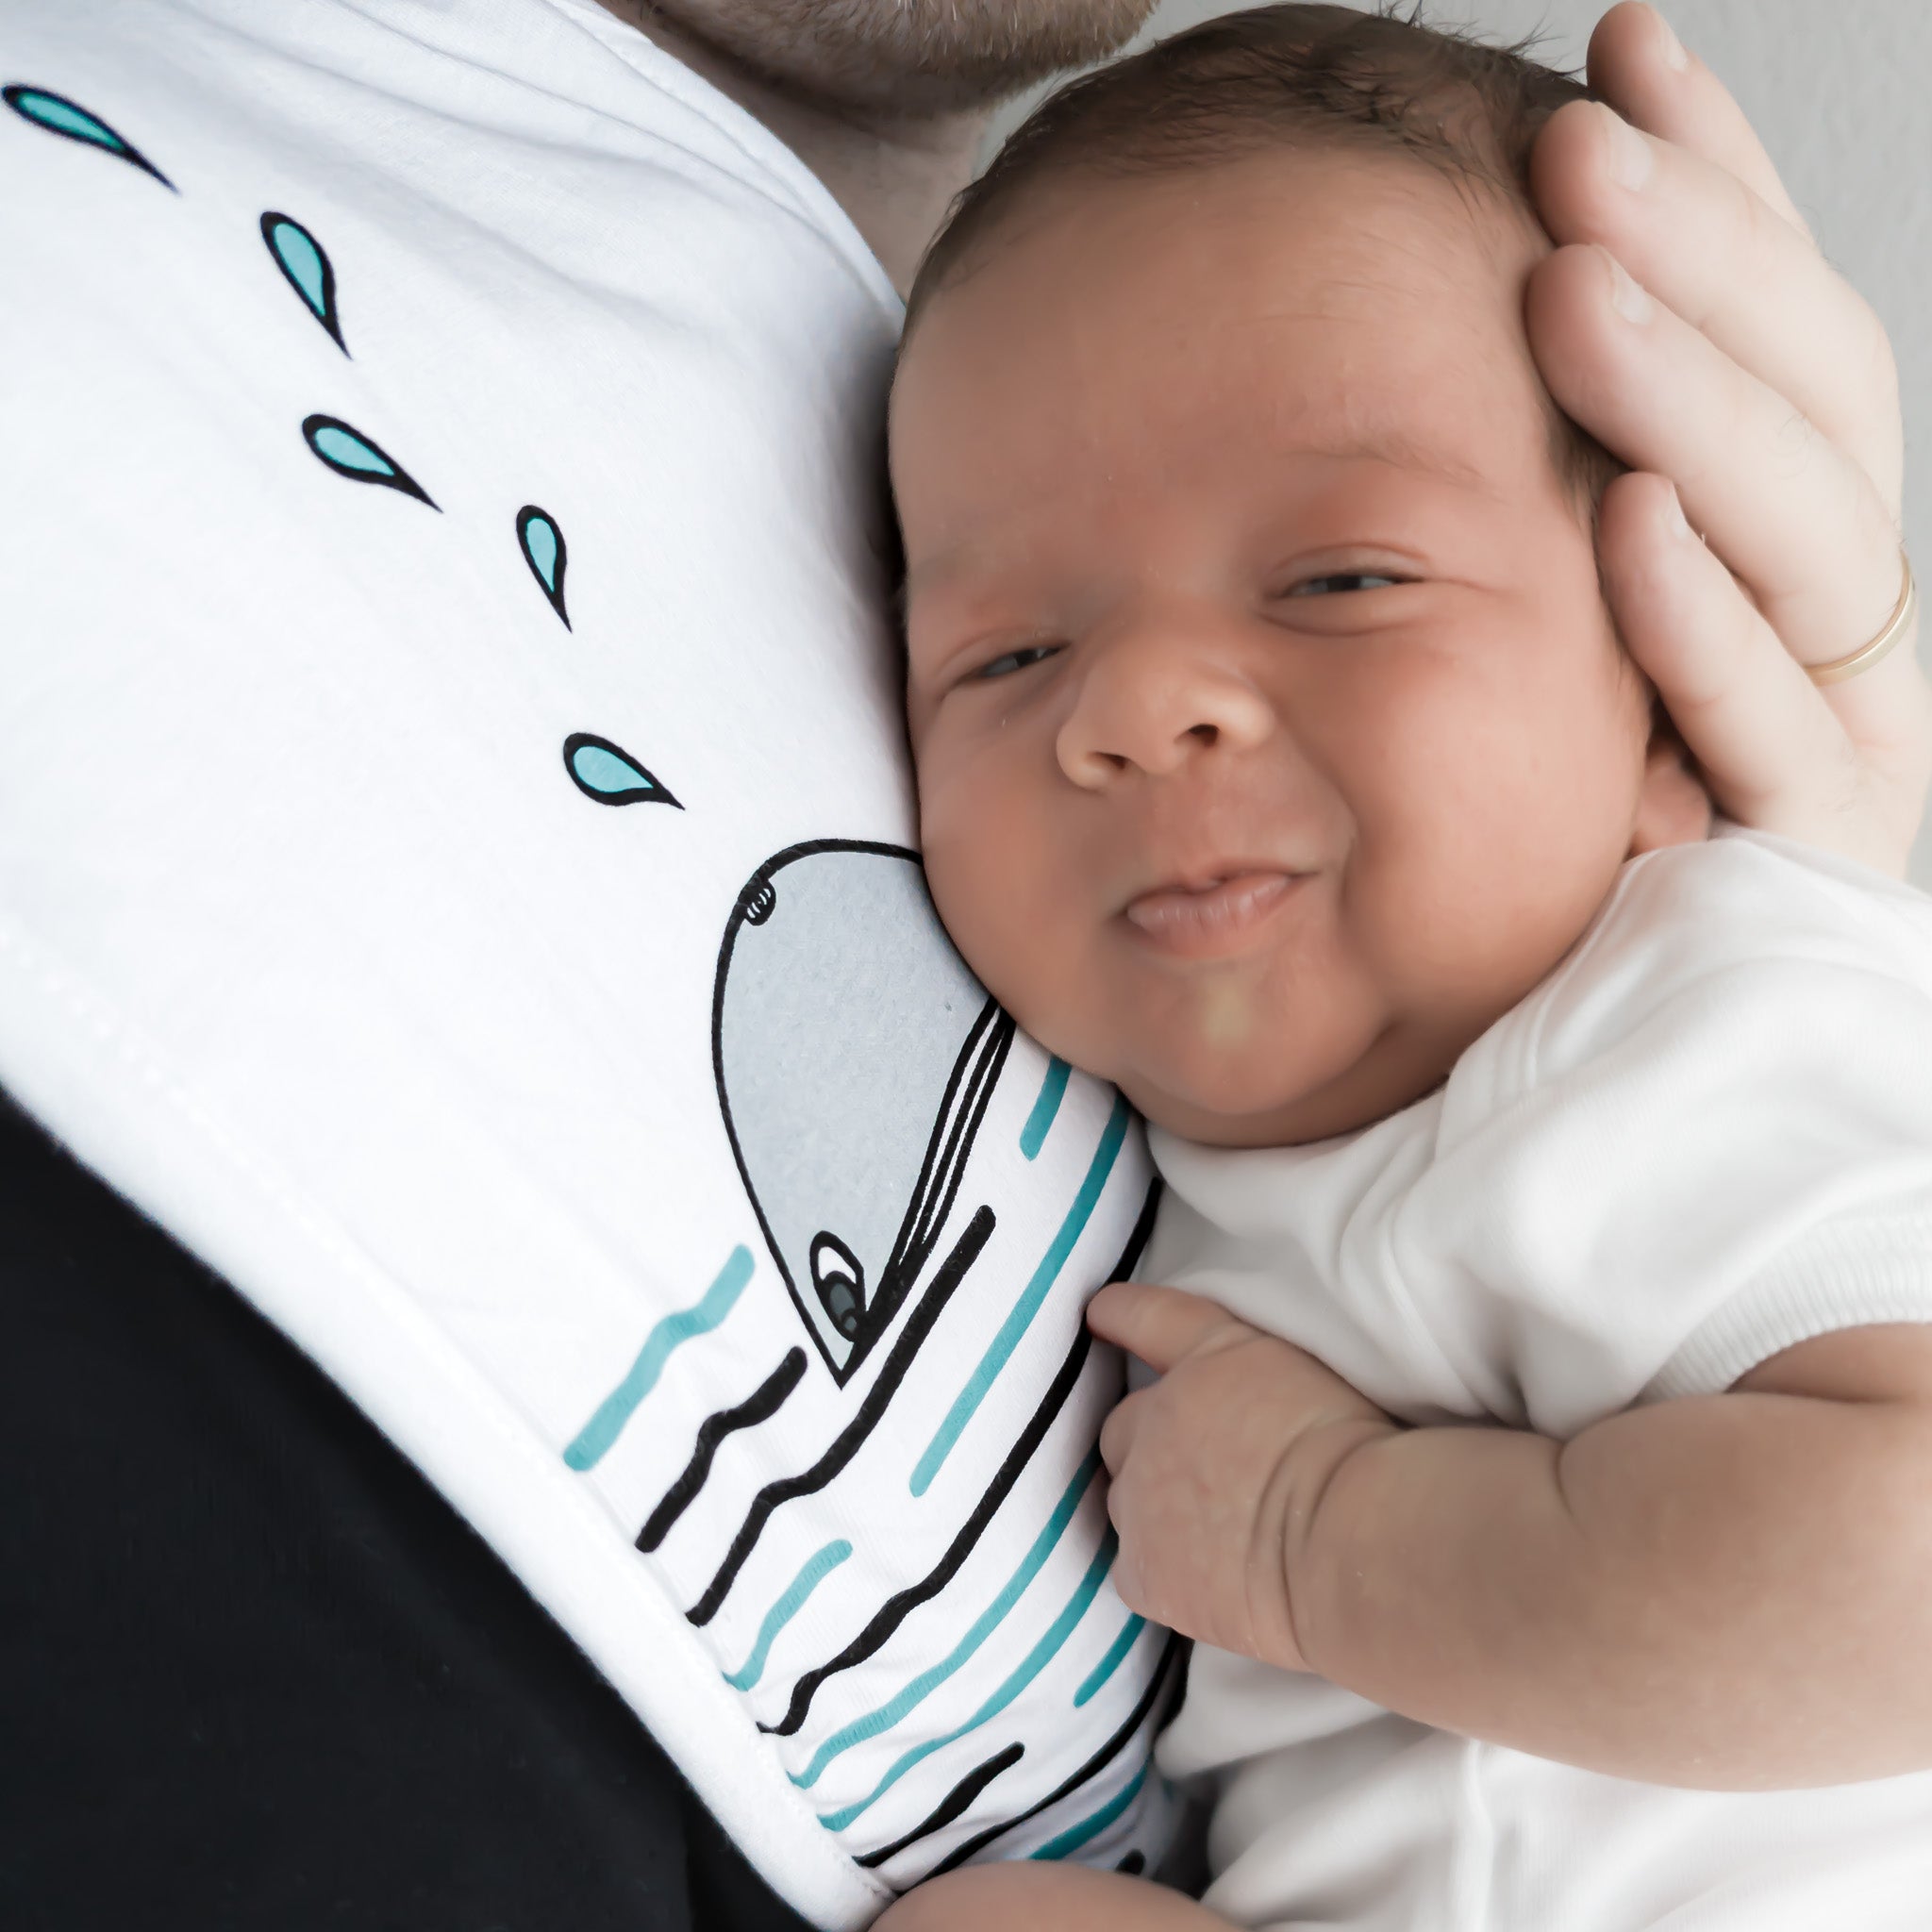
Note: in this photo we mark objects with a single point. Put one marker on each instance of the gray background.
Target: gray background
(1838, 93)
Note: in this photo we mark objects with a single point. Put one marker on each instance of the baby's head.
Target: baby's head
(1273, 736)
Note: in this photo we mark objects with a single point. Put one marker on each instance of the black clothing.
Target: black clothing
(257, 1674)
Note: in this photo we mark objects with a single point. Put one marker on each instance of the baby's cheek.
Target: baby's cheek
(1470, 913)
(985, 868)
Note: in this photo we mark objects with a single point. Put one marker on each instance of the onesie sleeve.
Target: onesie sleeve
(1709, 1138)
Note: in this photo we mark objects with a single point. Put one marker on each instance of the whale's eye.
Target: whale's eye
(763, 902)
(839, 1279)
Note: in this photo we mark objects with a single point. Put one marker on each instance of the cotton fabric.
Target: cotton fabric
(1705, 1138)
(455, 876)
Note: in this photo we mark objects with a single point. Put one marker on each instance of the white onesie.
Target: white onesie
(1707, 1138)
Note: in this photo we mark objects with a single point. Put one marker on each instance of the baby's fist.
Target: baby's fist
(1219, 1467)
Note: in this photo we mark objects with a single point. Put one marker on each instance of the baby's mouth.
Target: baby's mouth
(1216, 916)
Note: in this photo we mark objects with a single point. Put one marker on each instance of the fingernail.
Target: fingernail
(1626, 298)
(1669, 45)
(1630, 159)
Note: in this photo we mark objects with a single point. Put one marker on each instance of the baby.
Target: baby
(1279, 759)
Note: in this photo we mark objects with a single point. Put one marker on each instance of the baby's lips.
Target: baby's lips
(1214, 915)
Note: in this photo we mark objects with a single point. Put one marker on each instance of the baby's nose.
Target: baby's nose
(1153, 705)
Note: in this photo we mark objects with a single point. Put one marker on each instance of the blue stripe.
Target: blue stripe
(787, 1606)
(1052, 1090)
(888, 1713)
(1111, 1661)
(1076, 1835)
(1030, 1667)
(1016, 1323)
(596, 1436)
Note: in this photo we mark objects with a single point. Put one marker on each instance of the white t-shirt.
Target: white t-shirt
(453, 876)
(1707, 1138)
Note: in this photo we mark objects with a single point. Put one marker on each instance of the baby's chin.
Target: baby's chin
(1237, 1110)
(1257, 1099)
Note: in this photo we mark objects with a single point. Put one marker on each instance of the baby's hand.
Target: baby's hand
(1218, 1468)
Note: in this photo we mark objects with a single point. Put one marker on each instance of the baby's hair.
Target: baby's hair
(1274, 77)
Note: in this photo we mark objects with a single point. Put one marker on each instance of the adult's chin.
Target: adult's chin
(903, 57)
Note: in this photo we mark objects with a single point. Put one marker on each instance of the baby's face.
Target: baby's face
(1272, 738)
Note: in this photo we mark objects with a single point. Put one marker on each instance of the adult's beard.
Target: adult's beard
(906, 57)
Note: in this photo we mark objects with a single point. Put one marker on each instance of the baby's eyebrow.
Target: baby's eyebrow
(1390, 444)
(937, 570)
(1386, 443)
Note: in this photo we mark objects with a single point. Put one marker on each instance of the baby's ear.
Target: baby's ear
(1672, 808)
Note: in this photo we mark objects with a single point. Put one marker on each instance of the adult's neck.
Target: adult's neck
(894, 176)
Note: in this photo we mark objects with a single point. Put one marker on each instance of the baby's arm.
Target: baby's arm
(1730, 1591)
(1043, 1898)
(1025, 1897)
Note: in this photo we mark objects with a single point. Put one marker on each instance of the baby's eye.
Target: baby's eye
(1343, 580)
(1017, 659)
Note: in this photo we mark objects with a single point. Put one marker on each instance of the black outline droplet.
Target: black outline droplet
(525, 516)
(330, 317)
(399, 478)
(126, 150)
(655, 792)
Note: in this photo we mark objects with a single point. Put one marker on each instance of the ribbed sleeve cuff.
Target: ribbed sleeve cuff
(1845, 1274)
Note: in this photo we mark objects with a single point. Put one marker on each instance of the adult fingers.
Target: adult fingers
(1769, 747)
(1792, 516)
(1716, 254)
(1642, 70)
(1160, 1326)
(1749, 715)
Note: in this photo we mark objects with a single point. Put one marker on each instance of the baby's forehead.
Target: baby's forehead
(1211, 261)
(1357, 216)
(1290, 304)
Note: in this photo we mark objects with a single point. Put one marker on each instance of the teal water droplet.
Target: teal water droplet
(543, 541)
(71, 121)
(346, 450)
(609, 774)
(306, 267)
(546, 552)
(351, 454)
(64, 117)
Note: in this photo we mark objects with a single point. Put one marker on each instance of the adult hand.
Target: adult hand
(1752, 391)
(1218, 1467)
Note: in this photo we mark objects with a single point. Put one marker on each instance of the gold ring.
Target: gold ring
(1868, 654)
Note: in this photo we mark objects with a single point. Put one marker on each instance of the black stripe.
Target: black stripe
(918, 1327)
(1137, 1241)
(957, 1122)
(760, 1405)
(897, 1609)
(1098, 1763)
(948, 1807)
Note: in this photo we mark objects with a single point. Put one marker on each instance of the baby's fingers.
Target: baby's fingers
(1118, 1432)
(1160, 1326)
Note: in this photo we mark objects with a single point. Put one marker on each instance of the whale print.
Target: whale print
(834, 965)
(919, 1192)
